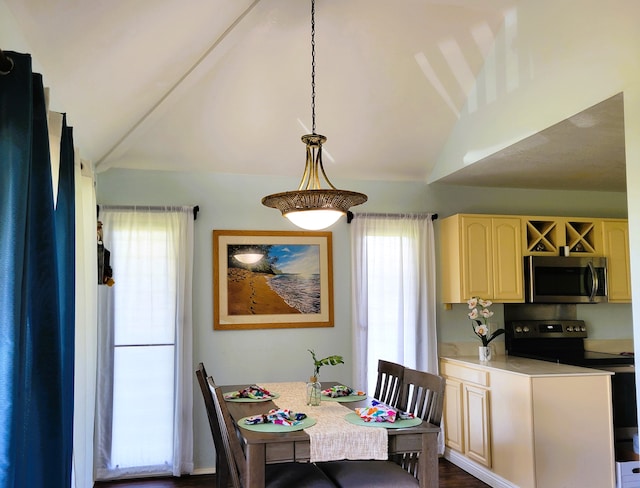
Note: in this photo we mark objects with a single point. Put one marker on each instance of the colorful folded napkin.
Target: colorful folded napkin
(381, 412)
(341, 391)
(254, 392)
(277, 416)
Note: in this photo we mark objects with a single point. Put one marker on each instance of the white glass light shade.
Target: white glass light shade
(314, 219)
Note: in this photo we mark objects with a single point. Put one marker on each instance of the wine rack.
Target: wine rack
(580, 237)
(542, 237)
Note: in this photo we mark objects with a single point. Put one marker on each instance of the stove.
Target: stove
(559, 341)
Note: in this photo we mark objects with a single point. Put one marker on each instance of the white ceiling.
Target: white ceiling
(584, 152)
(225, 86)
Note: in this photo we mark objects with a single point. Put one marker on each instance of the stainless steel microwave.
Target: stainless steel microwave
(556, 279)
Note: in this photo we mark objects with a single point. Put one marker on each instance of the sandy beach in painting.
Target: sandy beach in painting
(249, 294)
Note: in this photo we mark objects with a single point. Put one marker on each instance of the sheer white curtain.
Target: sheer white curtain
(394, 314)
(84, 377)
(144, 406)
(86, 325)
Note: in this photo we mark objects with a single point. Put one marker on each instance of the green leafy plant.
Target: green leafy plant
(328, 361)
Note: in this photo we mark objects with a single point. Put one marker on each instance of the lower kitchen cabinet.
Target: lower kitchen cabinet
(530, 424)
(467, 413)
(452, 412)
(476, 423)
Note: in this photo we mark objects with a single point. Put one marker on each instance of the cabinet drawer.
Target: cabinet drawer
(466, 374)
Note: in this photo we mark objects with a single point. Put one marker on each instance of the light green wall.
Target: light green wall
(233, 202)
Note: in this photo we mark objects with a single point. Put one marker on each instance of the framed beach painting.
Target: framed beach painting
(272, 279)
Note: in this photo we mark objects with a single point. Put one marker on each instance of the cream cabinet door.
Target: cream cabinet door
(477, 257)
(453, 429)
(476, 424)
(616, 249)
(508, 281)
(481, 256)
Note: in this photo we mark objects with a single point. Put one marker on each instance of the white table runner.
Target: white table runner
(332, 438)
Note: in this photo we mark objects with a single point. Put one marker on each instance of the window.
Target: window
(142, 323)
(394, 293)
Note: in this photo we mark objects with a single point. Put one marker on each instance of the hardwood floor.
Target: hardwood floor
(450, 477)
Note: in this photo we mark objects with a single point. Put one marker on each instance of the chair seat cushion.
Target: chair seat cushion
(368, 474)
(299, 475)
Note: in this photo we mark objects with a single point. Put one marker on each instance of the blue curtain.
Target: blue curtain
(37, 288)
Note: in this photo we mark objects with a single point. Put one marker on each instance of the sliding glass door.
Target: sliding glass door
(139, 412)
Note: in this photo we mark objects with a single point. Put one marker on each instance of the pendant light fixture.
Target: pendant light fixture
(312, 207)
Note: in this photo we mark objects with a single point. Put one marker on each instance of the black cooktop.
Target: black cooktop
(558, 341)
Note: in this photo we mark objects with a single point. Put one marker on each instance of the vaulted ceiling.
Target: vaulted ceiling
(225, 85)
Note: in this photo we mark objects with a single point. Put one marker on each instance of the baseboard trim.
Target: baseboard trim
(477, 470)
(200, 471)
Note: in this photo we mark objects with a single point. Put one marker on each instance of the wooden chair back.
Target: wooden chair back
(201, 374)
(422, 395)
(389, 382)
(232, 447)
(221, 458)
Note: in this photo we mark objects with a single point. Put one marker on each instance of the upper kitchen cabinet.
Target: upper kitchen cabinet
(481, 256)
(615, 236)
(544, 236)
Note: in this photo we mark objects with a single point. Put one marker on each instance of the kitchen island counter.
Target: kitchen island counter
(518, 422)
(526, 367)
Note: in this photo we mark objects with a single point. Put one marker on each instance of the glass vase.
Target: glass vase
(314, 392)
(484, 353)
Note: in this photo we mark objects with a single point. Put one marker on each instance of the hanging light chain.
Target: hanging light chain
(311, 207)
(313, 66)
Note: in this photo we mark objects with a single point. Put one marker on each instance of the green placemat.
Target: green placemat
(354, 418)
(308, 422)
(344, 399)
(251, 400)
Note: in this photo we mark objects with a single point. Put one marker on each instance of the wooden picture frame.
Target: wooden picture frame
(272, 279)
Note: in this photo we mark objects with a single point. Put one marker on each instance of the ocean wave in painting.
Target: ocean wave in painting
(301, 292)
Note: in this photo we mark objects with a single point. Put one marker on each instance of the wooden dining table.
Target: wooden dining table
(262, 448)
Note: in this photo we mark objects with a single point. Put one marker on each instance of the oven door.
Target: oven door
(623, 394)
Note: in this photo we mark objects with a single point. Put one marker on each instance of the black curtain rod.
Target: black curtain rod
(350, 216)
(196, 209)
(6, 63)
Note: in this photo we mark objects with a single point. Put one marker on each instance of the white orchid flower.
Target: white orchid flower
(473, 302)
(482, 330)
(473, 314)
(486, 313)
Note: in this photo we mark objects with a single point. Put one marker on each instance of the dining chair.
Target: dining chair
(279, 475)
(420, 393)
(389, 382)
(222, 465)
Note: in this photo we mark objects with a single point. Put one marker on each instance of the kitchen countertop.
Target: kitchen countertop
(527, 367)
